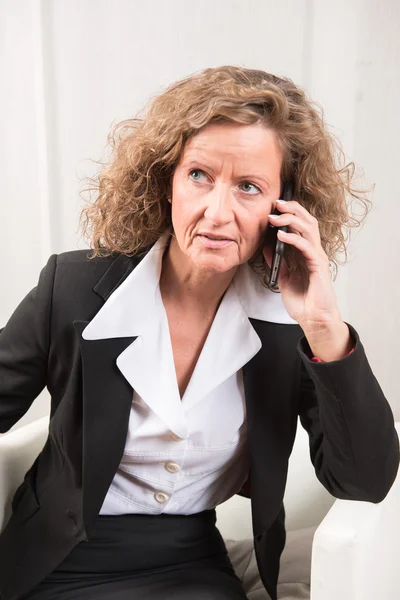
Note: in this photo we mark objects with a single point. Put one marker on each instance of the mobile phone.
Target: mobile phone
(272, 238)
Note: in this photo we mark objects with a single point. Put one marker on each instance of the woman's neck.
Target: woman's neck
(188, 287)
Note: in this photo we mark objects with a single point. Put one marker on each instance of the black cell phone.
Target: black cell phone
(273, 240)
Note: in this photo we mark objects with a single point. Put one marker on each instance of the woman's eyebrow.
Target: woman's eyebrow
(198, 163)
(259, 177)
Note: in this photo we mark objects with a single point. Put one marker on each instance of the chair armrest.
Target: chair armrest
(18, 450)
(356, 549)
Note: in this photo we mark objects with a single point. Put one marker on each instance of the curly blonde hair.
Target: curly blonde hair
(131, 210)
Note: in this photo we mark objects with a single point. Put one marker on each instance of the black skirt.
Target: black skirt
(162, 557)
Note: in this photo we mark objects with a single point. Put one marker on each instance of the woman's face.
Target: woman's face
(223, 189)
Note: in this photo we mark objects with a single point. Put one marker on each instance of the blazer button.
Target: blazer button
(161, 497)
(172, 467)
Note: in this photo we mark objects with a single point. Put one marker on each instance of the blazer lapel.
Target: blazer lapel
(107, 398)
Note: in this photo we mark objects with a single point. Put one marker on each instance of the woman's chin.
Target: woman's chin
(213, 262)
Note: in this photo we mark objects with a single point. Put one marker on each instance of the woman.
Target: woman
(176, 375)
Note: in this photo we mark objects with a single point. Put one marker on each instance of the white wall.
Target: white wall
(73, 68)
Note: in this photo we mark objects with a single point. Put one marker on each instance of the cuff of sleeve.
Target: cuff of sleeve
(306, 352)
(316, 359)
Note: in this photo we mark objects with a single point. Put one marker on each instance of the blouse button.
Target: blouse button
(172, 467)
(161, 497)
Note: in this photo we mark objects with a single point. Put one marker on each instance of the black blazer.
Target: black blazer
(353, 443)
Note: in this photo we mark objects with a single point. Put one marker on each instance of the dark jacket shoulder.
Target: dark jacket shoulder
(78, 270)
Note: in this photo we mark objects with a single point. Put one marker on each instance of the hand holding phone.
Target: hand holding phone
(277, 244)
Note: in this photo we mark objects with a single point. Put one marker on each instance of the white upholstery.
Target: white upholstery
(351, 548)
(355, 545)
(18, 450)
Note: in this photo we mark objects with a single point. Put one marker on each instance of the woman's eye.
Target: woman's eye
(249, 187)
(196, 174)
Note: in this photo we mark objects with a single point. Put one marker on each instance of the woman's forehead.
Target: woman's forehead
(247, 146)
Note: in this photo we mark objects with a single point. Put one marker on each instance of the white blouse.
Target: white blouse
(187, 455)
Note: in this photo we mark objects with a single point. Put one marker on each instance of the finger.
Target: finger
(292, 206)
(315, 260)
(309, 230)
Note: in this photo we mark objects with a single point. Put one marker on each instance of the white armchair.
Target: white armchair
(346, 550)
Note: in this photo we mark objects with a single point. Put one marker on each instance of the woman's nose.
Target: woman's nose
(219, 205)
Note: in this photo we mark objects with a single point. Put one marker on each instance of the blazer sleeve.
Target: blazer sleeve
(24, 349)
(354, 445)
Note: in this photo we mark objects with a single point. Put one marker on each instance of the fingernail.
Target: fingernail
(283, 232)
(282, 201)
(273, 216)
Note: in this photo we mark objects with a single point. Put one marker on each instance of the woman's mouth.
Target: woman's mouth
(214, 242)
